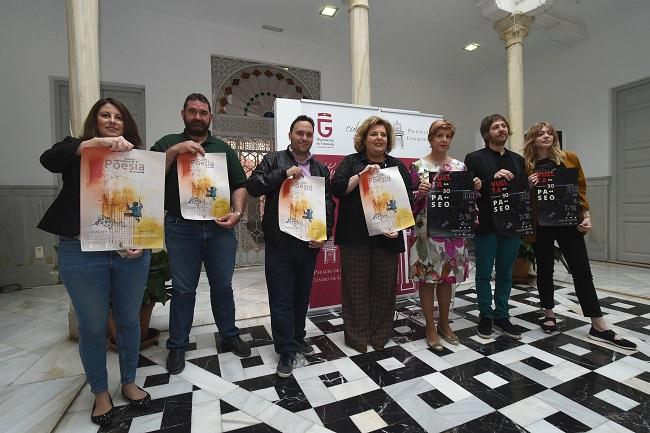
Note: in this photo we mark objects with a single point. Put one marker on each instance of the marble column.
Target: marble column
(513, 29)
(83, 70)
(360, 51)
(83, 59)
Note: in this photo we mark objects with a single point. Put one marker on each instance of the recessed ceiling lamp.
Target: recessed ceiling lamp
(472, 46)
(272, 28)
(329, 10)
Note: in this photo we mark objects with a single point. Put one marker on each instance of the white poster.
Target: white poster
(121, 198)
(301, 208)
(203, 188)
(385, 201)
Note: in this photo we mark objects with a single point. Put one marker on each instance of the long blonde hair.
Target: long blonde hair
(555, 154)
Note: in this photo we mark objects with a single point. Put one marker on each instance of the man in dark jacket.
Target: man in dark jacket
(494, 249)
(289, 262)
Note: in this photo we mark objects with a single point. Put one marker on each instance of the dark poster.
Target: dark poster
(451, 205)
(556, 195)
(510, 202)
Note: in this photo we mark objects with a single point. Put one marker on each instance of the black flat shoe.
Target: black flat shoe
(609, 336)
(105, 418)
(142, 402)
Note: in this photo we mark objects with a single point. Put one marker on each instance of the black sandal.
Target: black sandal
(105, 418)
(141, 402)
(548, 329)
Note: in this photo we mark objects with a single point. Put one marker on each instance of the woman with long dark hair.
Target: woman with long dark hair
(97, 281)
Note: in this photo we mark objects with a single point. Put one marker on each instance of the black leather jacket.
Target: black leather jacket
(267, 179)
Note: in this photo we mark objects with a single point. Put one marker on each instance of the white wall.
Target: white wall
(32, 47)
(170, 57)
(573, 89)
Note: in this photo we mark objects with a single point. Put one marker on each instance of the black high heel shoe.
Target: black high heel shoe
(105, 418)
(141, 402)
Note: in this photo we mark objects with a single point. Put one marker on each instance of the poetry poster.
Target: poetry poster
(385, 201)
(122, 199)
(203, 187)
(301, 208)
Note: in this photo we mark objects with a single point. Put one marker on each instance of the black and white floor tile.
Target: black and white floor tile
(541, 383)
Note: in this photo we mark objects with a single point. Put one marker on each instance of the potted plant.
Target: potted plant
(523, 263)
(156, 290)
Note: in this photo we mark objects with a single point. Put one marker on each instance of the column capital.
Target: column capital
(514, 28)
(358, 4)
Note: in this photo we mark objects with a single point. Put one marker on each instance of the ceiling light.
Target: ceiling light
(472, 46)
(272, 28)
(328, 10)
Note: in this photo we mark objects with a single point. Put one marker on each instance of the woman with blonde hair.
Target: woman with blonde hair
(368, 263)
(436, 262)
(542, 152)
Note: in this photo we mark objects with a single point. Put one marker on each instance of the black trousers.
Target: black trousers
(289, 273)
(574, 250)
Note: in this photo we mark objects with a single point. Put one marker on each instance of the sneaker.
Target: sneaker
(285, 366)
(609, 336)
(237, 346)
(505, 327)
(484, 329)
(175, 361)
(305, 348)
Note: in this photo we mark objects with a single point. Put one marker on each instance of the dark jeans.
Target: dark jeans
(289, 273)
(574, 250)
(189, 244)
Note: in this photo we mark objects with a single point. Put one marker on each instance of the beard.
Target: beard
(500, 140)
(197, 127)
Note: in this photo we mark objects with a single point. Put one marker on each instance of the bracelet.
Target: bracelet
(239, 213)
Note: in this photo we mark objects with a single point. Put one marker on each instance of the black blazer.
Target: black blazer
(62, 217)
(482, 164)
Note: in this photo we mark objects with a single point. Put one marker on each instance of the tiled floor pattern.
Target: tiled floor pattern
(542, 383)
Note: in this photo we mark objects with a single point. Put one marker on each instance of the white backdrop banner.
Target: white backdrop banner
(337, 123)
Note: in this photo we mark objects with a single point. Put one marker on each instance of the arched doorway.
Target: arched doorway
(243, 95)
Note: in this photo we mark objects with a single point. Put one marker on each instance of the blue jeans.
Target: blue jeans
(498, 251)
(97, 281)
(289, 273)
(190, 243)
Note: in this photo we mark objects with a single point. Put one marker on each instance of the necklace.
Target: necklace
(447, 160)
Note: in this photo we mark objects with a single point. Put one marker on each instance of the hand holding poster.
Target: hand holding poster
(203, 186)
(511, 206)
(556, 195)
(385, 201)
(451, 204)
(121, 199)
(301, 208)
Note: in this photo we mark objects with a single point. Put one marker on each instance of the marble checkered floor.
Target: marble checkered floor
(542, 383)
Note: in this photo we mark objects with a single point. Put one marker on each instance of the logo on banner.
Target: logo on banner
(324, 124)
(324, 139)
